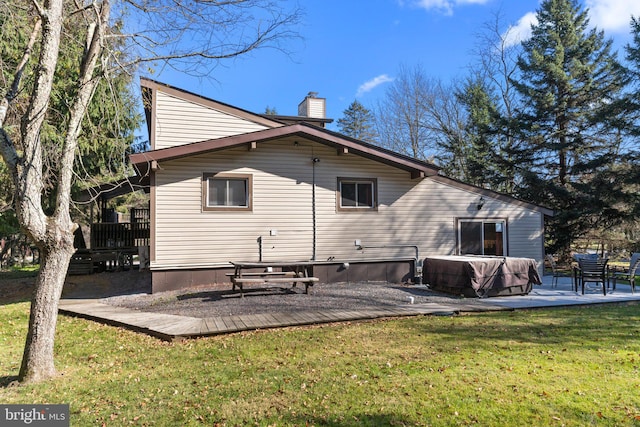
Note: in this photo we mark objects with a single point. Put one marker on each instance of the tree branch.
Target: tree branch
(193, 35)
(7, 147)
(28, 173)
(17, 77)
(87, 83)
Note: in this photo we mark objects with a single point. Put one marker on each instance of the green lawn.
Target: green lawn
(560, 367)
(19, 272)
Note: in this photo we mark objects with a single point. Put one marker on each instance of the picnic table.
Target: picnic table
(252, 272)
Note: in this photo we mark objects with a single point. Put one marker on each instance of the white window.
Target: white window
(223, 191)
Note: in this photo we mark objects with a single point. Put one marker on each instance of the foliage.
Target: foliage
(470, 155)
(108, 127)
(632, 100)
(271, 111)
(569, 79)
(538, 367)
(8, 223)
(19, 272)
(358, 122)
(494, 71)
(553, 120)
(482, 113)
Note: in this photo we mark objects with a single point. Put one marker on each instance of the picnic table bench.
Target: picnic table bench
(287, 272)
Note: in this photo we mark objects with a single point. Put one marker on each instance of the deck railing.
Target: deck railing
(124, 234)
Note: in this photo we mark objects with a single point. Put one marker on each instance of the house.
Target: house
(227, 185)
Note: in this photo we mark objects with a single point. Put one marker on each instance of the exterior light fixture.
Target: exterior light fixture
(480, 203)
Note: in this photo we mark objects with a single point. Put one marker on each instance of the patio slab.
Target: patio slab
(564, 295)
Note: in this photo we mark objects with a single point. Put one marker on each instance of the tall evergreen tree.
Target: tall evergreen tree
(631, 102)
(628, 179)
(479, 142)
(569, 78)
(358, 122)
(271, 111)
(495, 68)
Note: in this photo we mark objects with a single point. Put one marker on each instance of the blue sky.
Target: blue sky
(353, 49)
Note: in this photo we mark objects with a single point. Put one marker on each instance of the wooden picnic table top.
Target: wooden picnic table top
(301, 273)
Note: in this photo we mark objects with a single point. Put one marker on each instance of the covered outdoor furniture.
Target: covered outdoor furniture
(627, 274)
(481, 276)
(591, 270)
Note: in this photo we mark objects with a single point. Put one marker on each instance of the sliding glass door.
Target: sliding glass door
(482, 237)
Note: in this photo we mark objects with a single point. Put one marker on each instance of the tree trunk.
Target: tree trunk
(37, 360)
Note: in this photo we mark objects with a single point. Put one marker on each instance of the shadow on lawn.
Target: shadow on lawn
(349, 420)
(584, 326)
(8, 381)
(99, 285)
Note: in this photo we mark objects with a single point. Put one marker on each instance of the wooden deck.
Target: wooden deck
(172, 327)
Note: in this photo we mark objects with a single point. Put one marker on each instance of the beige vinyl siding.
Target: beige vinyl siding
(186, 235)
(315, 107)
(181, 122)
(410, 212)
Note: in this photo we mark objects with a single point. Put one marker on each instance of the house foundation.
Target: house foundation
(391, 271)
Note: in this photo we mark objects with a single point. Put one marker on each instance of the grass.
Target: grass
(17, 272)
(557, 367)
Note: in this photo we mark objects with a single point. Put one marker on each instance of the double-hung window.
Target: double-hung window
(357, 194)
(226, 191)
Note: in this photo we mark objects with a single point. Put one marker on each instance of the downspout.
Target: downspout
(417, 262)
(315, 160)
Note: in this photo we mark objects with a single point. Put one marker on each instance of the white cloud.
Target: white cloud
(612, 15)
(521, 31)
(445, 6)
(369, 85)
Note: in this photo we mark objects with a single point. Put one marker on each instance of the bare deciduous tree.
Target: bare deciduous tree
(417, 114)
(192, 36)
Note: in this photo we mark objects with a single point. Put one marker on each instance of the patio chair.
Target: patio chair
(554, 270)
(591, 270)
(578, 257)
(628, 275)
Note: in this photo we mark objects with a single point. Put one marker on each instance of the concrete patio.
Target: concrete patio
(175, 327)
(564, 295)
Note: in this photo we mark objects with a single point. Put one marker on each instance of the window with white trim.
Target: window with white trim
(357, 194)
(225, 191)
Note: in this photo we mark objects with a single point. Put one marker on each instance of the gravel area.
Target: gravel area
(132, 290)
(219, 300)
